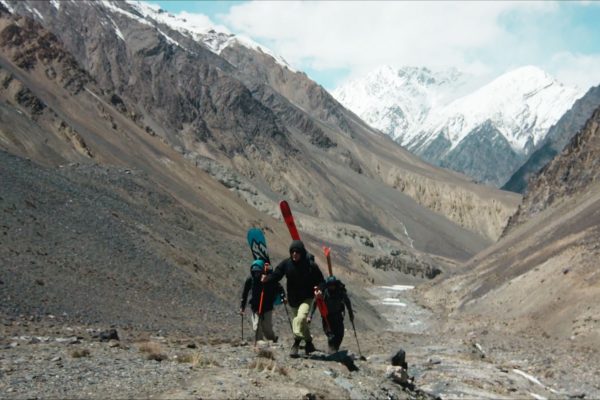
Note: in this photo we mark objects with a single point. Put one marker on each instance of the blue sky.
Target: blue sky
(333, 41)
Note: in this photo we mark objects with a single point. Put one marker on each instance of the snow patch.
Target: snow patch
(398, 288)
(8, 7)
(93, 94)
(55, 4)
(39, 14)
(109, 5)
(117, 30)
(537, 396)
(170, 39)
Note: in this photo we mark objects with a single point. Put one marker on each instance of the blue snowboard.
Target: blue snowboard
(258, 244)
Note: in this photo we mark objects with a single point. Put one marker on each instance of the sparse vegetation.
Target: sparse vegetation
(153, 351)
(197, 360)
(262, 365)
(265, 353)
(79, 353)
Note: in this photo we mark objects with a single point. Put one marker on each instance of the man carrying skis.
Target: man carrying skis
(262, 324)
(336, 300)
(302, 275)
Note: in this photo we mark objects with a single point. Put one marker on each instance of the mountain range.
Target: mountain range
(486, 133)
(124, 85)
(137, 149)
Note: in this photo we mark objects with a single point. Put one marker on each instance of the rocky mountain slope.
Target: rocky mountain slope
(502, 121)
(243, 116)
(542, 275)
(122, 241)
(557, 138)
(211, 139)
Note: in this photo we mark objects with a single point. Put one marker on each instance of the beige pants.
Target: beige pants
(299, 323)
(263, 327)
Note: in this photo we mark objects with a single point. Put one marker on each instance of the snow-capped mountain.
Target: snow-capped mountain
(398, 101)
(486, 134)
(200, 30)
(522, 104)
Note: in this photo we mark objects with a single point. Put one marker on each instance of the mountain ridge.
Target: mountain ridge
(521, 104)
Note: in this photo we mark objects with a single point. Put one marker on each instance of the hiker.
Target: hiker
(261, 324)
(336, 299)
(302, 275)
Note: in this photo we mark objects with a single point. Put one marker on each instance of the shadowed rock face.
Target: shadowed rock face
(571, 173)
(542, 275)
(558, 137)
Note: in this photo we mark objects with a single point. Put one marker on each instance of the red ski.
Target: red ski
(286, 212)
(327, 252)
(322, 306)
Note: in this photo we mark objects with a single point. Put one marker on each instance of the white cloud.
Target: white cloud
(576, 69)
(201, 21)
(363, 35)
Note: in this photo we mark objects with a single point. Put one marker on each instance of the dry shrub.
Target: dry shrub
(262, 365)
(218, 340)
(153, 351)
(79, 353)
(197, 360)
(265, 353)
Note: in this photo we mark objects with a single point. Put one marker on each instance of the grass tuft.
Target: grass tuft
(153, 351)
(80, 353)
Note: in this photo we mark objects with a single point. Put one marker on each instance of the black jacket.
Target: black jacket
(337, 301)
(272, 289)
(301, 277)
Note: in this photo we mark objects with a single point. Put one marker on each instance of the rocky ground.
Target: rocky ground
(48, 358)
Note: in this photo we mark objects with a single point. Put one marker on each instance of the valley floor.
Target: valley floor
(44, 358)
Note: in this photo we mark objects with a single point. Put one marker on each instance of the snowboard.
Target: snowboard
(258, 244)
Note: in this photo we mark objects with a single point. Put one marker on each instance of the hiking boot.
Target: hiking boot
(295, 347)
(332, 349)
(275, 339)
(309, 347)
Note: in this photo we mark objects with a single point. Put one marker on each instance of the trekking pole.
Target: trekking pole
(242, 315)
(357, 345)
(260, 307)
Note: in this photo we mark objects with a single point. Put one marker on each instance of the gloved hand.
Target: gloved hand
(241, 311)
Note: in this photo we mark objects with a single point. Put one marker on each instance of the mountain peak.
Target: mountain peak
(398, 100)
(422, 109)
(197, 27)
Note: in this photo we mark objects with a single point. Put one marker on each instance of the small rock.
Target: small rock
(400, 376)
(113, 343)
(108, 335)
(192, 346)
(399, 359)
(56, 359)
(69, 340)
